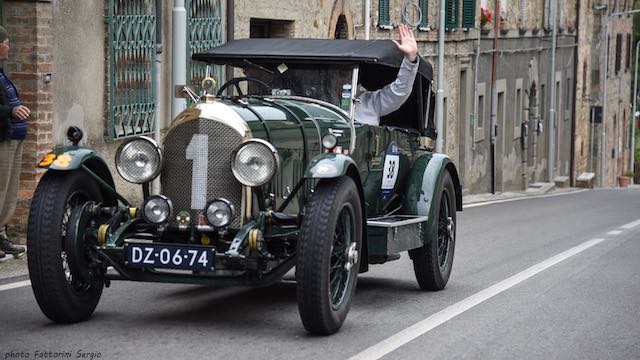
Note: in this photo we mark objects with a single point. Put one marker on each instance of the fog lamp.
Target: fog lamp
(219, 213)
(157, 209)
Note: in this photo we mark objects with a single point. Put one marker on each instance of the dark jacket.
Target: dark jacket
(5, 114)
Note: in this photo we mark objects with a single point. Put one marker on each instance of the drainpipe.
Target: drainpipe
(603, 137)
(552, 101)
(572, 158)
(155, 184)
(367, 19)
(475, 116)
(230, 15)
(440, 92)
(179, 58)
(493, 127)
(633, 115)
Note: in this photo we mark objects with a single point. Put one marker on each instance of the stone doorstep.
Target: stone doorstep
(586, 180)
(540, 188)
(561, 181)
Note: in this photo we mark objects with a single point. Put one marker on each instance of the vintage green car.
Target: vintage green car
(269, 173)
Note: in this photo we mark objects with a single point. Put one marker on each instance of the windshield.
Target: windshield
(330, 83)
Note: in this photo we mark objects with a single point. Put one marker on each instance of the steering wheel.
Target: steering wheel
(236, 81)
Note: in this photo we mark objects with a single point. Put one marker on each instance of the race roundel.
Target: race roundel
(390, 172)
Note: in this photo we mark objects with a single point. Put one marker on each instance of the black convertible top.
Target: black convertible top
(378, 52)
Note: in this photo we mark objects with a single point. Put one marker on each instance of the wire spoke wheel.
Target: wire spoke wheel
(328, 255)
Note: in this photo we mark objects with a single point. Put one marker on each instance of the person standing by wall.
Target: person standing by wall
(13, 130)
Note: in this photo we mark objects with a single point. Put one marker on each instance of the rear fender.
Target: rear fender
(422, 186)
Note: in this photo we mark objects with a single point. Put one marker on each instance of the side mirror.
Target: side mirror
(74, 134)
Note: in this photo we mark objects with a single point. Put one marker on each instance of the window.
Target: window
(543, 103)
(424, 11)
(268, 28)
(384, 20)
(452, 8)
(628, 60)
(517, 110)
(468, 14)
(618, 52)
(480, 116)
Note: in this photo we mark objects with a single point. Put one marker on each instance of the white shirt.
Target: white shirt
(374, 104)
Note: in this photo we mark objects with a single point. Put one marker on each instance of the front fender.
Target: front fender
(422, 186)
(75, 157)
(329, 166)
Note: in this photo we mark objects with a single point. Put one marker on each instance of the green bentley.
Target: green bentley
(268, 173)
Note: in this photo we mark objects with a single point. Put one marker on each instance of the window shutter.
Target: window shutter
(424, 9)
(468, 14)
(383, 13)
(451, 14)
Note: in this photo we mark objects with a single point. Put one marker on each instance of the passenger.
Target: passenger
(374, 104)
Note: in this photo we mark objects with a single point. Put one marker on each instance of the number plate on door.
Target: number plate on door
(170, 256)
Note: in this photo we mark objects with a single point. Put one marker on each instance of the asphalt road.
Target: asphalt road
(544, 278)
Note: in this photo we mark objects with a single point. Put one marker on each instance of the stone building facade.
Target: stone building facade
(62, 60)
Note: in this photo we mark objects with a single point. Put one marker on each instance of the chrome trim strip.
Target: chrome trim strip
(379, 221)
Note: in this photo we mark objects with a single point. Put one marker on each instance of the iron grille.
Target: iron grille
(182, 179)
(204, 29)
(132, 55)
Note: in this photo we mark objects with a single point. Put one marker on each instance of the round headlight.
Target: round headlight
(255, 162)
(219, 213)
(139, 160)
(329, 141)
(157, 209)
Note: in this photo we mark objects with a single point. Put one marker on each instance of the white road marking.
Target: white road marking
(395, 341)
(631, 225)
(520, 198)
(15, 285)
(614, 232)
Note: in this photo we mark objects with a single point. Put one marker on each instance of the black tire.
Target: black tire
(433, 261)
(62, 297)
(332, 225)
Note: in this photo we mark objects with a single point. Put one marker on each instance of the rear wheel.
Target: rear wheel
(328, 255)
(433, 261)
(62, 294)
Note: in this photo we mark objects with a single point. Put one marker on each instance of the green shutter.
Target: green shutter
(468, 14)
(451, 14)
(424, 10)
(383, 13)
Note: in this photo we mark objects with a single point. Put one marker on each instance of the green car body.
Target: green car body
(396, 182)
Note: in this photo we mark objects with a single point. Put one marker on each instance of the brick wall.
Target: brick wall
(30, 59)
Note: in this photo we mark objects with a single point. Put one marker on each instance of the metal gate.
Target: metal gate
(132, 55)
(204, 31)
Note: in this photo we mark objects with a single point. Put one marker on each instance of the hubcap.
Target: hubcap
(352, 256)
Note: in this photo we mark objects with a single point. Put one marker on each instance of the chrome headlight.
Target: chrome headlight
(219, 213)
(255, 162)
(157, 209)
(139, 160)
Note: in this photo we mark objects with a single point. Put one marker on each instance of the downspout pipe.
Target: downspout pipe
(230, 29)
(155, 185)
(179, 58)
(440, 91)
(633, 115)
(493, 128)
(572, 158)
(367, 19)
(552, 97)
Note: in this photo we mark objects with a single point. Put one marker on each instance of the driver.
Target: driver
(374, 104)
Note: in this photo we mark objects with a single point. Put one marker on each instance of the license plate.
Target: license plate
(170, 256)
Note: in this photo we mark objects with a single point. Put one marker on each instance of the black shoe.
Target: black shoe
(3, 256)
(10, 248)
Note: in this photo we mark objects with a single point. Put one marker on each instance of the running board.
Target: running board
(389, 235)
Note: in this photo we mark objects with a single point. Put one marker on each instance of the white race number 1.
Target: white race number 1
(198, 151)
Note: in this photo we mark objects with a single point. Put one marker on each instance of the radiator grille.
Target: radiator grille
(187, 149)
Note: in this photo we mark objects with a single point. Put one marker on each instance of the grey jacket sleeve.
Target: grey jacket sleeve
(374, 104)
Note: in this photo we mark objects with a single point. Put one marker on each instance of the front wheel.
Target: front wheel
(61, 292)
(328, 255)
(433, 261)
